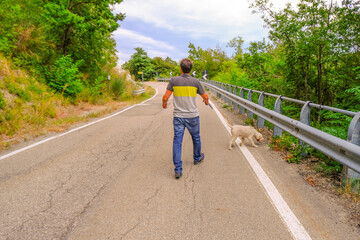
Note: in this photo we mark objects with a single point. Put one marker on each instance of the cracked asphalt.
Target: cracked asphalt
(115, 180)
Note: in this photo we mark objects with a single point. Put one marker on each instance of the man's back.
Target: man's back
(185, 89)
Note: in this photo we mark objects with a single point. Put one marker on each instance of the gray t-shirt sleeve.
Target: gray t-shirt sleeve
(200, 88)
(170, 85)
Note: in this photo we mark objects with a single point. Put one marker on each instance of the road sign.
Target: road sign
(205, 74)
(194, 73)
(140, 72)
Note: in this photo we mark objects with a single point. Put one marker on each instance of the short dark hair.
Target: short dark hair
(186, 65)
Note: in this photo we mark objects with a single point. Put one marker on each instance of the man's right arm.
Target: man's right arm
(166, 98)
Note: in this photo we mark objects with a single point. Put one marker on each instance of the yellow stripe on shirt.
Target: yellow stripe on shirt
(185, 91)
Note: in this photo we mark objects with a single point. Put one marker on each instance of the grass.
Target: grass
(29, 108)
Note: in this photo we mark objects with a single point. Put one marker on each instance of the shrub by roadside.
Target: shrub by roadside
(29, 108)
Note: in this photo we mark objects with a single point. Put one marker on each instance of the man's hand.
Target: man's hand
(205, 98)
(166, 98)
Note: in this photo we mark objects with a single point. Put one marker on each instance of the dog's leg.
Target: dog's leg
(232, 141)
(242, 141)
(252, 142)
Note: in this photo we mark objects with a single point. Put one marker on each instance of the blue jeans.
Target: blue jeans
(193, 126)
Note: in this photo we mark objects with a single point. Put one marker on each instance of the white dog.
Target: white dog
(244, 132)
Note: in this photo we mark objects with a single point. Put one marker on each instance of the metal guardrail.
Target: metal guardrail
(138, 92)
(346, 152)
(163, 79)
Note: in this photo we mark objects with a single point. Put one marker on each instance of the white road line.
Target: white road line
(293, 224)
(73, 130)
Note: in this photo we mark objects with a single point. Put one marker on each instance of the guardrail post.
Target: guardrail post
(241, 109)
(223, 86)
(353, 136)
(277, 108)
(229, 89)
(219, 85)
(249, 97)
(236, 106)
(305, 118)
(261, 121)
(228, 100)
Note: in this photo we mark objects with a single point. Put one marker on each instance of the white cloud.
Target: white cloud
(222, 20)
(140, 39)
(123, 57)
(202, 22)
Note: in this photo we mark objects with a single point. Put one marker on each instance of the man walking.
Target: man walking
(186, 114)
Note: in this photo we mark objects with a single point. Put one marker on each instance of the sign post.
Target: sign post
(142, 78)
(109, 85)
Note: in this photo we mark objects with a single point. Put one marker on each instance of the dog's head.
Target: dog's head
(258, 137)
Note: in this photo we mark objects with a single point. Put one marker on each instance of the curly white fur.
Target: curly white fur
(244, 132)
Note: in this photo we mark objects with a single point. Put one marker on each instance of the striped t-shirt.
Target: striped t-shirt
(185, 89)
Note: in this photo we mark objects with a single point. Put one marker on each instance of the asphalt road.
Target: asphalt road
(114, 180)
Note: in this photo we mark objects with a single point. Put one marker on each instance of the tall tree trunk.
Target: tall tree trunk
(319, 80)
(66, 40)
(304, 69)
(320, 75)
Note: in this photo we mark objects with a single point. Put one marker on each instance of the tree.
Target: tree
(210, 60)
(315, 43)
(164, 66)
(83, 29)
(36, 34)
(140, 62)
(236, 43)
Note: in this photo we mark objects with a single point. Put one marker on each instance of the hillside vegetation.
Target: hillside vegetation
(58, 66)
(29, 108)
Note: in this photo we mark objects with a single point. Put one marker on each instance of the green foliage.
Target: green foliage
(319, 48)
(335, 124)
(140, 62)
(236, 43)
(17, 90)
(250, 121)
(36, 34)
(326, 164)
(98, 87)
(289, 144)
(34, 88)
(2, 101)
(210, 60)
(164, 66)
(65, 77)
(118, 87)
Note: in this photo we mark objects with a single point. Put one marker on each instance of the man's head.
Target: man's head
(186, 65)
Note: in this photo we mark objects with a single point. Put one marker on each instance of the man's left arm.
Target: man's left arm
(203, 94)
(166, 98)
(205, 98)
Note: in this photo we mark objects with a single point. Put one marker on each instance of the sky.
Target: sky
(164, 28)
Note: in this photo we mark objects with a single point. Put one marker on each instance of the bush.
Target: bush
(65, 77)
(117, 87)
(2, 101)
(18, 91)
(289, 144)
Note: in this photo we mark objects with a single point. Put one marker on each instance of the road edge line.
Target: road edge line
(292, 223)
(73, 130)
